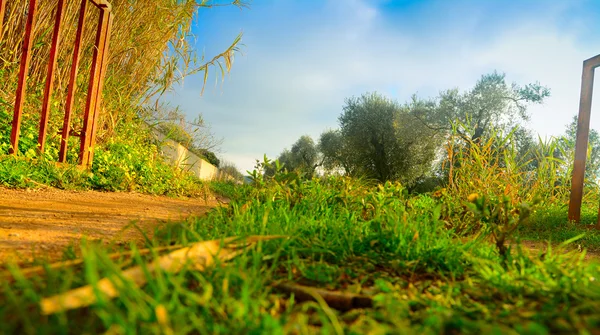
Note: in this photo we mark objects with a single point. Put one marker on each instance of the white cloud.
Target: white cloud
(551, 57)
(284, 88)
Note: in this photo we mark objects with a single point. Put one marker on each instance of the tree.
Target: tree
(306, 155)
(490, 105)
(386, 141)
(592, 164)
(285, 158)
(303, 156)
(228, 168)
(337, 153)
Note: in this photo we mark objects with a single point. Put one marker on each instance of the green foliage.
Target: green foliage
(490, 105)
(229, 169)
(129, 161)
(380, 139)
(551, 225)
(495, 167)
(337, 153)
(567, 152)
(149, 54)
(210, 157)
(304, 157)
(500, 217)
(229, 189)
(25, 173)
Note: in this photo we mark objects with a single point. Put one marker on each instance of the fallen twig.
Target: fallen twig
(338, 300)
(199, 255)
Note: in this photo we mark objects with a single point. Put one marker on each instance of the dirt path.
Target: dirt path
(44, 222)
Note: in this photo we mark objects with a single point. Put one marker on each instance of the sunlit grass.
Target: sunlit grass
(344, 235)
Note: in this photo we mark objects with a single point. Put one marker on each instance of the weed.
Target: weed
(500, 218)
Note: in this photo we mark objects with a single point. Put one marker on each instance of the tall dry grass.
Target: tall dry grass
(149, 52)
(494, 167)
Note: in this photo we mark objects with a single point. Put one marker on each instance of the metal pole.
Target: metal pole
(92, 92)
(62, 154)
(2, 11)
(50, 77)
(104, 64)
(583, 130)
(22, 85)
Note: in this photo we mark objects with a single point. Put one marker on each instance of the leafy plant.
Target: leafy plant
(500, 218)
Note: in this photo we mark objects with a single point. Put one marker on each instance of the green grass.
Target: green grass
(344, 235)
(229, 189)
(18, 172)
(551, 224)
(127, 161)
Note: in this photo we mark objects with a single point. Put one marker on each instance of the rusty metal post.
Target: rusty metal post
(89, 158)
(583, 130)
(62, 154)
(93, 87)
(50, 77)
(2, 11)
(22, 85)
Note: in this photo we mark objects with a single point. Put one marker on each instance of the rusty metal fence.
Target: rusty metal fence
(94, 92)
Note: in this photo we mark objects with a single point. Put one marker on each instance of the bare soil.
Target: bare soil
(42, 223)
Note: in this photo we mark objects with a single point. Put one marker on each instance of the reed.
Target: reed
(149, 52)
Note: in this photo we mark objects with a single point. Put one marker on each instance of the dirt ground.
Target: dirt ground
(43, 222)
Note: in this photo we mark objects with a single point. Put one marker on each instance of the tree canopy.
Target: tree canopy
(384, 140)
(492, 104)
(381, 139)
(304, 156)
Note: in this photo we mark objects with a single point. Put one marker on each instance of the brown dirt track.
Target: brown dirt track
(43, 222)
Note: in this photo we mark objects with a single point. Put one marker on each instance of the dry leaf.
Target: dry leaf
(199, 255)
(338, 300)
(416, 236)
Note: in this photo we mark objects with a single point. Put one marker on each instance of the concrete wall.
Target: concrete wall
(180, 156)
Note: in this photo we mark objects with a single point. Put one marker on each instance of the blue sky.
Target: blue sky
(302, 58)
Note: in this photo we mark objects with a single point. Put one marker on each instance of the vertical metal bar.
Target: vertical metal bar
(583, 130)
(93, 87)
(50, 76)
(62, 154)
(2, 11)
(88, 159)
(22, 85)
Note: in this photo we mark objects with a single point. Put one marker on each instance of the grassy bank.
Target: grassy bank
(118, 166)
